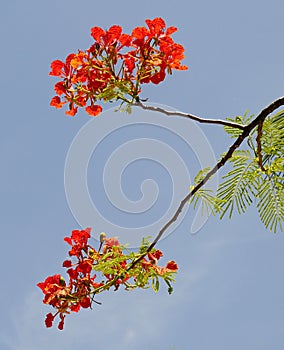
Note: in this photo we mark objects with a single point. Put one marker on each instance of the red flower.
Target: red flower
(79, 237)
(155, 256)
(94, 110)
(72, 111)
(60, 88)
(61, 323)
(159, 76)
(56, 102)
(146, 264)
(171, 30)
(75, 307)
(156, 26)
(97, 33)
(85, 302)
(140, 32)
(125, 40)
(97, 285)
(112, 35)
(51, 281)
(129, 64)
(78, 60)
(57, 68)
(172, 266)
(73, 274)
(67, 263)
(49, 320)
(85, 266)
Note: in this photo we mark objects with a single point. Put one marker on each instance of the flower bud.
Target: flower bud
(102, 237)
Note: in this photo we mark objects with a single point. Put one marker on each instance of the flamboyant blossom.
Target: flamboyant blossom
(115, 66)
(91, 272)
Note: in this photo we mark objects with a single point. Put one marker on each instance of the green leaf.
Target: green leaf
(170, 288)
(145, 243)
(272, 140)
(242, 120)
(271, 203)
(209, 202)
(240, 182)
(155, 284)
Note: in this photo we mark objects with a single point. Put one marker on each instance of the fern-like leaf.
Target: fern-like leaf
(209, 203)
(242, 120)
(271, 202)
(238, 187)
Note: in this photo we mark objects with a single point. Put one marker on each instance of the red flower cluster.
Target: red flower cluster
(112, 265)
(153, 258)
(115, 66)
(67, 298)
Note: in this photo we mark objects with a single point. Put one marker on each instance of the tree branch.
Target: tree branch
(190, 116)
(246, 131)
(258, 142)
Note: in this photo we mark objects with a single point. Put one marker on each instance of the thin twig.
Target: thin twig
(246, 131)
(190, 116)
(258, 141)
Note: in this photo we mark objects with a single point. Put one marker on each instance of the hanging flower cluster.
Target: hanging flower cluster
(94, 271)
(115, 66)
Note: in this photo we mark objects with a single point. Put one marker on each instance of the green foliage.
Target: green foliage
(210, 204)
(270, 205)
(116, 90)
(272, 141)
(257, 174)
(145, 243)
(146, 273)
(240, 183)
(242, 120)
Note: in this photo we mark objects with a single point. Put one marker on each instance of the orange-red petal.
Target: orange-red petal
(56, 102)
(94, 110)
(114, 31)
(139, 32)
(172, 265)
(171, 30)
(72, 111)
(56, 68)
(60, 88)
(97, 33)
(125, 39)
(77, 60)
(156, 26)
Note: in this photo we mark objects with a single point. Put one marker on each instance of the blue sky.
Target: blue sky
(229, 291)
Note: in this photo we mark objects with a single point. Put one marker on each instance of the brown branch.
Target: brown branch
(258, 141)
(190, 116)
(246, 131)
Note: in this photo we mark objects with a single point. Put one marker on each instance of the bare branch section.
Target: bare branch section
(258, 141)
(246, 131)
(190, 116)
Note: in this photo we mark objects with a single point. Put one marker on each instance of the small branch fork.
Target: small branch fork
(258, 121)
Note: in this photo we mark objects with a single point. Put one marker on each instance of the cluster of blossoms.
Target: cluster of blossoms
(115, 66)
(94, 271)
